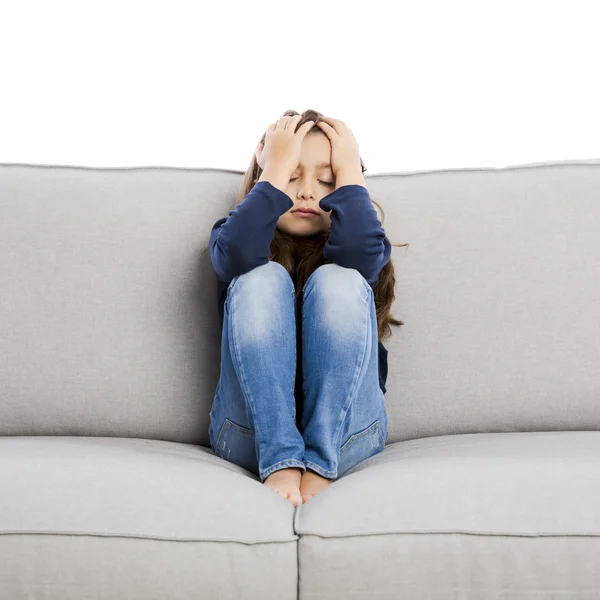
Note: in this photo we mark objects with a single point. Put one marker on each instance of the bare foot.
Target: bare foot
(286, 482)
(312, 483)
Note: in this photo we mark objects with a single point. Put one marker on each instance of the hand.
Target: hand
(283, 145)
(344, 147)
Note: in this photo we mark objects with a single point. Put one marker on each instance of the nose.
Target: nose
(306, 189)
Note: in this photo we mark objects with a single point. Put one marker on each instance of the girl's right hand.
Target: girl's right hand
(283, 145)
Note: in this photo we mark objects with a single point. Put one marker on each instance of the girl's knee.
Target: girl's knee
(334, 278)
(272, 269)
(265, 281)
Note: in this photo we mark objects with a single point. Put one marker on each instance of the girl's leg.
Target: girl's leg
(344, 420)
(252, 420)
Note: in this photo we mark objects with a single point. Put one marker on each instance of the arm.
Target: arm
(242, 241)
(356, 240)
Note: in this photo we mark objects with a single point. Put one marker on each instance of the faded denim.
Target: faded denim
(253, 416)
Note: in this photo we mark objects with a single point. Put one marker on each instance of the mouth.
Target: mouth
(309, 211)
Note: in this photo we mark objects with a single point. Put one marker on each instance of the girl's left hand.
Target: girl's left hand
(344, 147)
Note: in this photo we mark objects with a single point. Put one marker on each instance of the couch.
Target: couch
(488, 487)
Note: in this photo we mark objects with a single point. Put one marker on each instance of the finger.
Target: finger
(306, 127)
(283, 122)
(332, 124)
(338, 125)
(291, 122)
(327, 129)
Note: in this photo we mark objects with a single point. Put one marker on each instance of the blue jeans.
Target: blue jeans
(253, 416)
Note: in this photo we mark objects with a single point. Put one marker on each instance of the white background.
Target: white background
(422, 85)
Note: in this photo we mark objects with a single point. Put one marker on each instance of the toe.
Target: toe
(294, 498)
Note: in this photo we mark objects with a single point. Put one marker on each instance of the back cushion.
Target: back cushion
(108, 314)
(109, 323)
(499, 290)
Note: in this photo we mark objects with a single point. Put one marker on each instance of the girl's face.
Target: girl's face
(311, 181)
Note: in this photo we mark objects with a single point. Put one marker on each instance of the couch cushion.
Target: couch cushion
(499, 292)
(138, 519)
(499, 515)
(109, 324)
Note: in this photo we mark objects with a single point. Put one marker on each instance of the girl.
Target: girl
(305, 285)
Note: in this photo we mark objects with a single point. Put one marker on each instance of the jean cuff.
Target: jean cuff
(282, 464)
(320, 470)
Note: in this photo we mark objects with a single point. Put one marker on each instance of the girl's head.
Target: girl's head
(312, 180)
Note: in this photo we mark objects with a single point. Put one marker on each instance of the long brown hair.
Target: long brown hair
(301, 256)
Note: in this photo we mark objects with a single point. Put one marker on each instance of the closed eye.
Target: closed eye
(327, 183)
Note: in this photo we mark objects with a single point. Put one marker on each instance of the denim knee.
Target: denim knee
(331, 278)
(270, 269)
(261, 298)
(261, 277)
(341, 293)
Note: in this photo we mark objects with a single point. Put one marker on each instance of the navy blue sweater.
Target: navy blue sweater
(242, 241)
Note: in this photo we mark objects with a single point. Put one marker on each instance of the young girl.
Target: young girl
(305, 285)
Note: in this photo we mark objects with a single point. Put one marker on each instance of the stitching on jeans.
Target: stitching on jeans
(243, 430)
(361, 434)
(318, 469)
(363, 361)
(235, 357)
(287, 463)
(228, 424)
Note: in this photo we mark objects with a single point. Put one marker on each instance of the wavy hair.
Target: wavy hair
(301, 256)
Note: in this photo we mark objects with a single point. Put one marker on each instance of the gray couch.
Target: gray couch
(488, 488)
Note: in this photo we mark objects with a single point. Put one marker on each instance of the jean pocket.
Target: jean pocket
(236, 444)
(360, 446)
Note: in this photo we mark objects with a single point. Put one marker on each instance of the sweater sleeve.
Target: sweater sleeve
(356, 240)
(242, 241)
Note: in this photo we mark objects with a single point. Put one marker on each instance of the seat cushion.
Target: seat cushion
(84, 517)
(491, 515)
